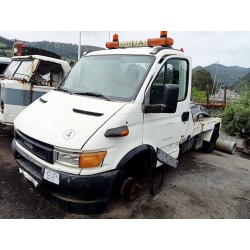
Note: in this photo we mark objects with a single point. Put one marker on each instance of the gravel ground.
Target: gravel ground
(213, 185)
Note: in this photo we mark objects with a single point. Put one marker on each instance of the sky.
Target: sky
(209, 33)
(229, 48)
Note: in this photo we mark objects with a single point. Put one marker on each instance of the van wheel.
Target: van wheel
(130, 189)
(208, 146)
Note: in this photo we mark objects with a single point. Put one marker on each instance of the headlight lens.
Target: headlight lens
(85, 160)
(69, 159)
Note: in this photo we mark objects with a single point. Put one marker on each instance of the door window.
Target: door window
(174, 71)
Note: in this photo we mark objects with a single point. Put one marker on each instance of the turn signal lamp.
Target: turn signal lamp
(117, 132)
(124, 133)
(152, 42)
(91, 160)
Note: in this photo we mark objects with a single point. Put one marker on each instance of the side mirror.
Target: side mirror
(170, 97)
(170, 100)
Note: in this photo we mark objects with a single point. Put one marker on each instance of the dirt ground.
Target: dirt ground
(213, 185)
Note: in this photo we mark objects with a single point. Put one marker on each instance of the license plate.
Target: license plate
(51, 176)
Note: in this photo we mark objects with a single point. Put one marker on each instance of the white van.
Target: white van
(119, 111)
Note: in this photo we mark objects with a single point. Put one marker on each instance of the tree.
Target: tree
(3, 53)
(201, 79)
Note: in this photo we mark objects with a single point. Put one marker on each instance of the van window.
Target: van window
(174, 71)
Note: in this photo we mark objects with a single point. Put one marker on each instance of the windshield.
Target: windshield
(12, 68)
(116, 77)
(18, 69)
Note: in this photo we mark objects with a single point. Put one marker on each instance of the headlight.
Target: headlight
(69, 159)
(85, 160)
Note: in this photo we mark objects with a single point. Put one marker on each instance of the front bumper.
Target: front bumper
(74, 193)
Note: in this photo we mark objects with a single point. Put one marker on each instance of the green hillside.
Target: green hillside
(5, 47)
(229, 75)
(67, 51)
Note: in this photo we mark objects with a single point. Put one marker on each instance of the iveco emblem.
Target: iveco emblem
(68, 134)
(30, 146)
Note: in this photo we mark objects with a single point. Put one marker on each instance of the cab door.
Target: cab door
(165, 130)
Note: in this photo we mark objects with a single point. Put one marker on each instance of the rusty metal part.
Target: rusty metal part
(246, 145)
(220, 104)
(130, 189)
(244, 152)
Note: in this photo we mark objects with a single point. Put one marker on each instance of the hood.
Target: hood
(65, 120)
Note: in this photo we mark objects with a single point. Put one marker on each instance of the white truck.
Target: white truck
(119, 111)
(24, 80)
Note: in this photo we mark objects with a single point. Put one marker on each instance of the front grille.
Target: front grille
(40, 149)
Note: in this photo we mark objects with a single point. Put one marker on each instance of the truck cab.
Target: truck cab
(25, 79)
(118, 110)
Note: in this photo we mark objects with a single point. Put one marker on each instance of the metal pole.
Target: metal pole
(79, 46)
(225, 96)
(215, 78)
(216, 86)
(207, 94)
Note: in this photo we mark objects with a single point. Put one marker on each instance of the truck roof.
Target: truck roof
(5, 59)
(64, 64)
(136, 51)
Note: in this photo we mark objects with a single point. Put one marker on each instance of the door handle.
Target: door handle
(185, 116)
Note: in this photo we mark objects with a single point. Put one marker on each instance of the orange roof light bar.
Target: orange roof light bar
(163, 34)
(114, 44)
(115, 38)
(162, 41)
(167, 41)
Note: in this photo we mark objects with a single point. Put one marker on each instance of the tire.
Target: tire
(208, 146)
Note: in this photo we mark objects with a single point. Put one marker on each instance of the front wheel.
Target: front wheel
(208, 146)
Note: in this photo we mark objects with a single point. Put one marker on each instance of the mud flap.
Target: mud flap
(164, 158)
(167, 159)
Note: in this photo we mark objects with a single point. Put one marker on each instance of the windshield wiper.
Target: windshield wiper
(63, 89)
(95, 94)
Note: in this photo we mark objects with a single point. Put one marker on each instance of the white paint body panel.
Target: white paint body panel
(47, 122)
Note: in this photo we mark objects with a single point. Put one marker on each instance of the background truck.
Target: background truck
(119, 113)
(30, 74)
